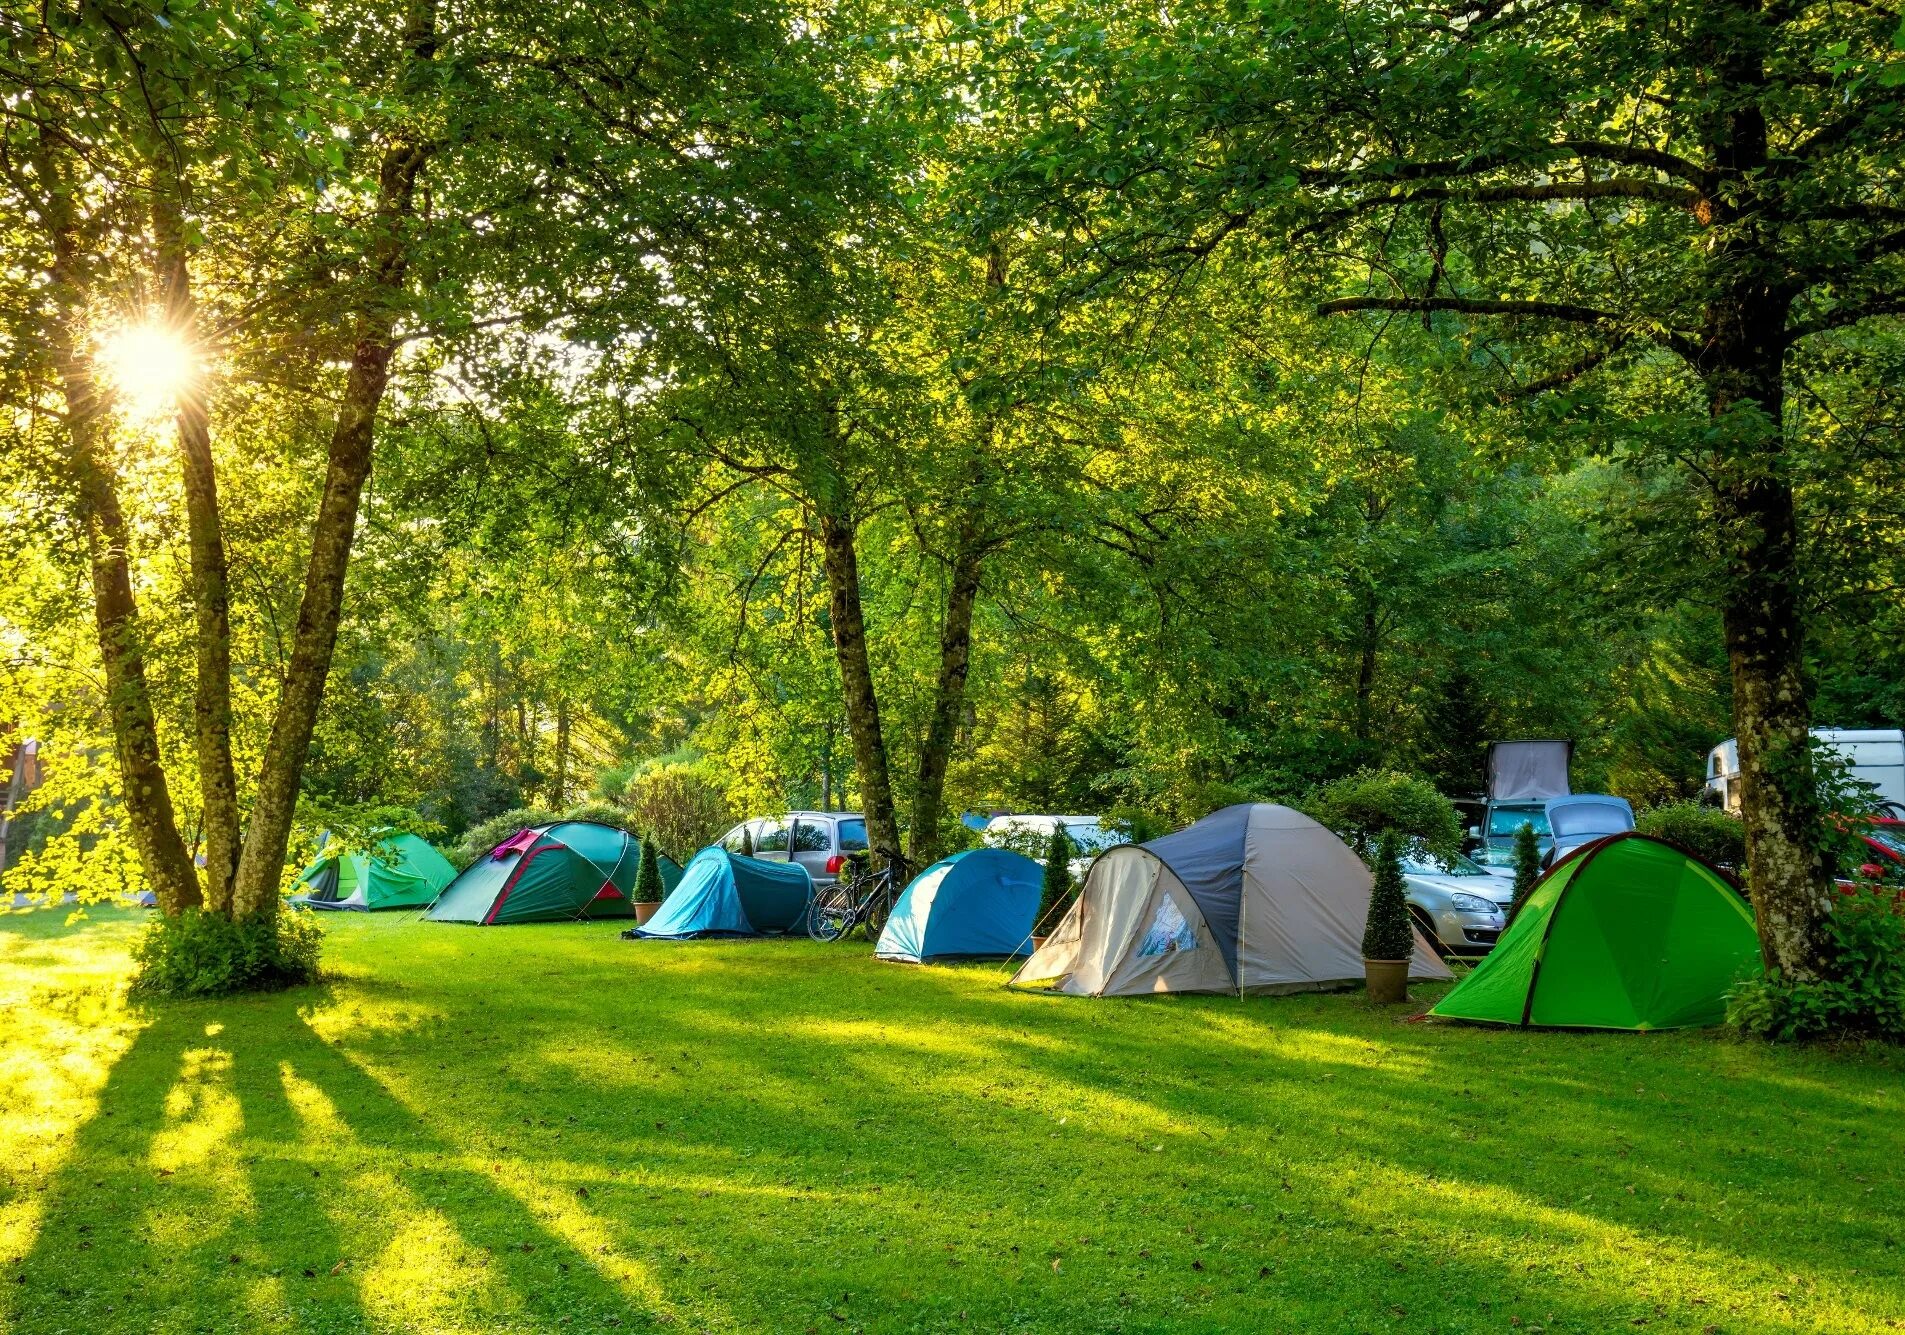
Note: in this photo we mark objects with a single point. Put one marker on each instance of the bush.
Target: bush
(648, 887)
(1368, 803)
(1527, 868)
(681, 806)
(199, 954)
(1057, 890)
(1388, 934)
(1708, 833)
(480, 839)
(1863, 994)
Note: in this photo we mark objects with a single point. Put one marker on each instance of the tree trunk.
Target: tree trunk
(261, 862)
(949, 696)
(211, 599)
(1787, 867)
(148, 799)
(842, 566)
(562, 754)
(1368, 645)
(1742, 360)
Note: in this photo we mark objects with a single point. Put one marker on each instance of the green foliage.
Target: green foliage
(602, 813)
(681, 805)
(1527, 868)
(1862, 995)
(198, 954)
(648, 887)
(1707, 832)
(480, 839)
(1373, 802)
(1389, 934)
(1055, 893)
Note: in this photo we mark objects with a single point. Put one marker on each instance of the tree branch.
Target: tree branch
(1540, 310)
(1846, 315)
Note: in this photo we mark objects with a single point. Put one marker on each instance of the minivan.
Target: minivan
(820, 841)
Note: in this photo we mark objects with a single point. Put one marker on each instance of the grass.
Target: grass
(547, 1128)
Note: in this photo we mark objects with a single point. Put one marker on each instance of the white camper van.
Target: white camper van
(1875, 755)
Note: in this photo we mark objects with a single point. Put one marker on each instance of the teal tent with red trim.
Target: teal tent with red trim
(565, 872)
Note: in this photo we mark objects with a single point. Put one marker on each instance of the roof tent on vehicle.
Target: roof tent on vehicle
(1253, 898)
(976, 905)
(1629, 932)
(550, 873)
(725, 894)
(401, 872)
(1532, 769)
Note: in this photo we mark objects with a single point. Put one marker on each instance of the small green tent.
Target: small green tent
(1629, 933)
(551, 873)
(404, 873)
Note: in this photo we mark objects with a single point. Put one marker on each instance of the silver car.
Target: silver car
(820, 841)
(1459, 906)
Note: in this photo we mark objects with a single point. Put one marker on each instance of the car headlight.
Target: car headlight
(1471, 904)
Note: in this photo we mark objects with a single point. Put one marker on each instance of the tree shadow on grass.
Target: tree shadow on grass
(1466, 1147)
(239, 1174)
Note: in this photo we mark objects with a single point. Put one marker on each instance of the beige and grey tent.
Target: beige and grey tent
(1253, 898)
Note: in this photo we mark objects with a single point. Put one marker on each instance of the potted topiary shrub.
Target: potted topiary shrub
(1388, 936)
(1057, 891)
(1527, 867)
(648, 888)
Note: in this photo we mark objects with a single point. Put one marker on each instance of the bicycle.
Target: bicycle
(864, 901)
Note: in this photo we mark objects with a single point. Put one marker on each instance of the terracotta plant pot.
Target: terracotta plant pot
(643, 912)
(1038, 942)
(1387, 980)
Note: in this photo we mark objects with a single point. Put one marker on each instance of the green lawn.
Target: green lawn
(548, 1128)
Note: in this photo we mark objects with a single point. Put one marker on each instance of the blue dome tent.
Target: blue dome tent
(979, 904)
(725, 894)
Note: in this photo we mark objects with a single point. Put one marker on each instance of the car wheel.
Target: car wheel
(1427, 929)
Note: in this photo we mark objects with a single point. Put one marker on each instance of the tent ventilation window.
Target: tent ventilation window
(1169, 932)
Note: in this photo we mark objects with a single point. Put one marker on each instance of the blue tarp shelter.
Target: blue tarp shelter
(725, 894)
(979, 904)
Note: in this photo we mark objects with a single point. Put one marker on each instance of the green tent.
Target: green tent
(551, 873)
(1629, 933)
(406, 873)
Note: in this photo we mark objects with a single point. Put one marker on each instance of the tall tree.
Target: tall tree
(1566, 189)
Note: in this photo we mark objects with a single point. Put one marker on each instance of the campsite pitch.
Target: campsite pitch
(546, 1128)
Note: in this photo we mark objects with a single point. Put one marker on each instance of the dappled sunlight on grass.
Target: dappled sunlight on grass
(1582, 1253)
(65, 1025)
(409, 1263)
(474, 1130)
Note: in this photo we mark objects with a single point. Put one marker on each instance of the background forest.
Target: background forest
(1016, 324)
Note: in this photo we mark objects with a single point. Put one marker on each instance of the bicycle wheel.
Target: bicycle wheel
(878, 910)
(832, 914)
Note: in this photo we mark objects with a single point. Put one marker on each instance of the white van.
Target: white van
(1031, 835)
(1875, 756)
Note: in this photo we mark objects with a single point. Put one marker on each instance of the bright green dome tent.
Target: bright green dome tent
(571, 870)
(405, 873)
(1630, 933)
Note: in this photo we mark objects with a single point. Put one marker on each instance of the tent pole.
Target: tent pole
(1243, 907)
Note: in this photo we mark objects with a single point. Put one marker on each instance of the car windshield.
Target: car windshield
(1504, 821)
(1590, 818)
(1421, 863)
(853, 836)
(1890, 836)
(1088, 836)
